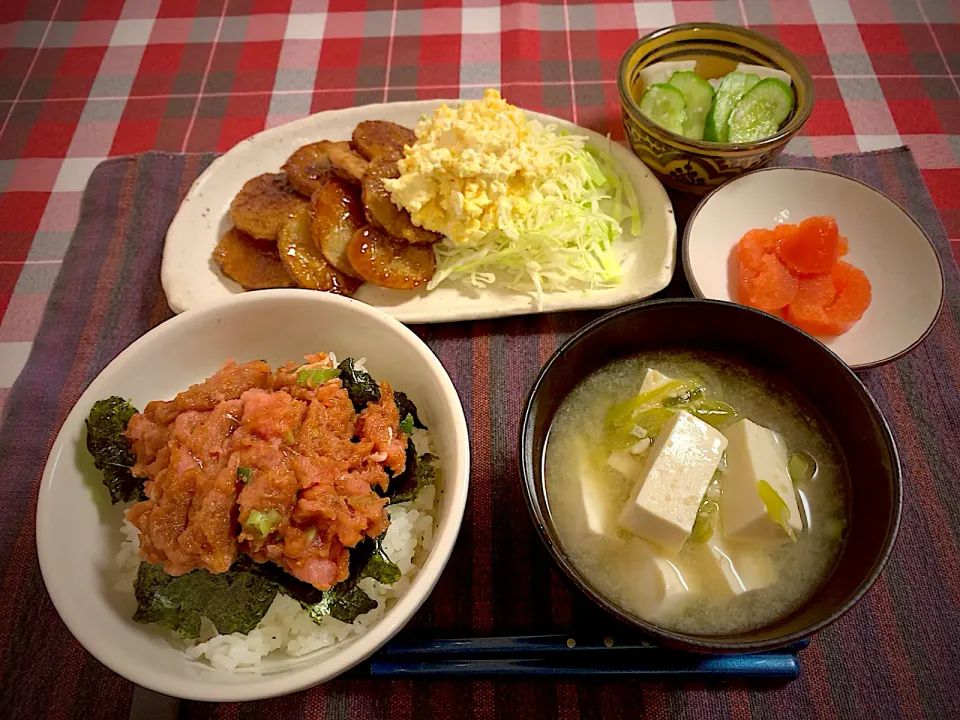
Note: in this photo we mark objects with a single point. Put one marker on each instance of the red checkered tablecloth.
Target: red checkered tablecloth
(83, 81)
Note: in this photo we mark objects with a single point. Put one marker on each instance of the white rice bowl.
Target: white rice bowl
(81, 575)
(287, 628)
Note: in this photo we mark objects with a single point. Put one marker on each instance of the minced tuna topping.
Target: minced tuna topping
(276, 465)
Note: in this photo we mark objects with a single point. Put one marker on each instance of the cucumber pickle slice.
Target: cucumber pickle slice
(698, 94)
(760, 111)
(732, 88)
(665, 105)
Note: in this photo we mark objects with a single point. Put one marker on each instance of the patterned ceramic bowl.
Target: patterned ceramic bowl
(695, 165)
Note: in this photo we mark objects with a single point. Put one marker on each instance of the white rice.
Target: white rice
(287, 628)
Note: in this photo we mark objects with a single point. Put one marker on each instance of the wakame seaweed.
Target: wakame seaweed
(111, 451)
(363, 389)
(360, 386)
(406, 407)
(344, 601)
(419, 472)
(237, 600)
(234, 601)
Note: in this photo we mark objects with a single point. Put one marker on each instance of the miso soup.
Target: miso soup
(696, 491)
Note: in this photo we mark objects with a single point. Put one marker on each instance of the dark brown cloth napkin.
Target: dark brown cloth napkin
(895, 655)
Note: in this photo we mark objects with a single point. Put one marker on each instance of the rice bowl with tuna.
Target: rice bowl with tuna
(280, 511)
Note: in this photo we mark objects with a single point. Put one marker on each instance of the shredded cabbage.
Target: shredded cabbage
(566, 242)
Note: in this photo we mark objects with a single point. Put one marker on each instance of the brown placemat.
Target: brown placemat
(893, 655)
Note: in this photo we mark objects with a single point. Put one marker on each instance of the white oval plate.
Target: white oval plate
(191, 279)
(78, 531)
(885, 242)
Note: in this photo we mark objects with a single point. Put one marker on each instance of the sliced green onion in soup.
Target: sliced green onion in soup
(652, 420)
(776, 508)
(706, 522)
(713, 412)
(619, 440)
(623, 412)
(802, 467)
(684, 398)
(708, 514)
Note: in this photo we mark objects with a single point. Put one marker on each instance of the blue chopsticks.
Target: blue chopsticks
(571, 656)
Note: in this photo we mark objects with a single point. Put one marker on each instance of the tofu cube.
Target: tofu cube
(733, 568)
(755, 453)
(666, 496)
(653, 379)
(597, 509)
(653, 580)
(625, 463)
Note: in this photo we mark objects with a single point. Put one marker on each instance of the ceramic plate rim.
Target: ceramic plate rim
(309, 674)
(179, 300)
(698, 293)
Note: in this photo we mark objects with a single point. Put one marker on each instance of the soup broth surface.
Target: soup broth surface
(801, 566)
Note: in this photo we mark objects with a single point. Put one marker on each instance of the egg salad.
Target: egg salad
(519, 203)
(473, 169)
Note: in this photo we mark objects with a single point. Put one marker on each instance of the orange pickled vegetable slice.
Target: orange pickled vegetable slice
(812, 247)
(821, 309)
(843, 247)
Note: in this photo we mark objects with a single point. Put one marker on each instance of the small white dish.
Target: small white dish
(885, 242)
(78, 530)
(191, 279)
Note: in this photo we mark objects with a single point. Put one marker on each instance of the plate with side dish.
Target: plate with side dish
(487, 211)
(830, 254)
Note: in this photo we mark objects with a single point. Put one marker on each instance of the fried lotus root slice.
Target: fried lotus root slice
(306, 264)
(381, 138)
(347, 163)
(382, 213)
(264, 204)
(387, 262)
(337, 215)
(251, 263)
(309, 168)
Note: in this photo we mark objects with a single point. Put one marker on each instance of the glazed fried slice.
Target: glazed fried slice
(387, 262)
(382, 213)
(309, 168)
(381, 138)
(253, 264)
(337, 215)
(264, 204)
(304, 262)
(347, 164)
